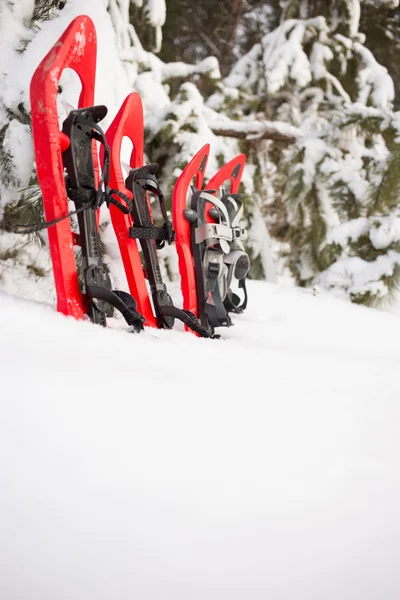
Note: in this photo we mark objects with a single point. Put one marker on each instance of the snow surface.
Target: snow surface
(263, 465)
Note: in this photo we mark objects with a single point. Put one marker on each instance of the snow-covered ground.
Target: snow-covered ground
(264, 465)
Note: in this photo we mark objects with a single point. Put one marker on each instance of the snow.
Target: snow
(253, 129)
(385, 231)
(18, 144)
(30, 275)
(354, 9)
(156, 12)
(353, 276)
(314, 151)
(263, 465)
(261, 244)
(350, 230)
(209, 66)
(319, 54)
(374, 80)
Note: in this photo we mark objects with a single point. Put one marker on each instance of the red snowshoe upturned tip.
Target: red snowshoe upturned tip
(50, 143)
(194, 170)
(129, 123)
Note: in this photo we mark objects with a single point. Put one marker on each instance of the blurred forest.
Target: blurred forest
(229, 28)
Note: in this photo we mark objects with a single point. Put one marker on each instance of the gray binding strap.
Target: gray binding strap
(232, 201)
(234, 269)
(213, 231)
(238, 217)
(238, 208)
(217, 203)
(220, 232)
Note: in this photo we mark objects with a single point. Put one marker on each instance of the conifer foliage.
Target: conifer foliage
(334, 191)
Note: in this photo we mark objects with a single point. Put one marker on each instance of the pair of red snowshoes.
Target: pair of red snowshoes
(207, 231)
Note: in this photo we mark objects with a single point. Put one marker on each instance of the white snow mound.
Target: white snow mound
(262, 465)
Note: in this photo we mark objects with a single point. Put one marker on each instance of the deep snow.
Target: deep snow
(264, 465)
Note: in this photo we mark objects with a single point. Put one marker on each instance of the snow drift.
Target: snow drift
(263, 465)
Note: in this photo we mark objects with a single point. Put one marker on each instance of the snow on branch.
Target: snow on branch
(374, 81)
(253, 130)
(209, 66)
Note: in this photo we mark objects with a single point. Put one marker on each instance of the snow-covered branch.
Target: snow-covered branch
(255, 130)
(209, 66)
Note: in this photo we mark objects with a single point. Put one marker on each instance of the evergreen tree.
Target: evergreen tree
(225, 29)
(124, 65)
(380, 22)
(335, 190)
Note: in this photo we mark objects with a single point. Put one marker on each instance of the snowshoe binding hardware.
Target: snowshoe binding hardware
(50, 142)
(140, 182)
(211, 244)
(210, 241)
(75, 149)
(138, 225)
(237, 260)
(81, 127)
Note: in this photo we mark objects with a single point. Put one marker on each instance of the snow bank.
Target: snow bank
(265, 465)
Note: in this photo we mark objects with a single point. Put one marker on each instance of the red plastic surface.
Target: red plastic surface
(129, 123)
(232, 171)
(195, 169)
(76, 49)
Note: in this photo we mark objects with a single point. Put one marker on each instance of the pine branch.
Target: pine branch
(256, 130)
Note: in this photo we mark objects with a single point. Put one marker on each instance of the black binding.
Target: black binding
(211, 307)
(139, 182)
(233, 303)
(81, 126)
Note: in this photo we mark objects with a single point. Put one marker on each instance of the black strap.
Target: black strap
(212, 277)
(146, 174)
(36, 227)
(188, 318)
(150, 233)
(242, 285)
(90, 198)
(109, 199)
(232, 301)
(216, 311)
(122, 301)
